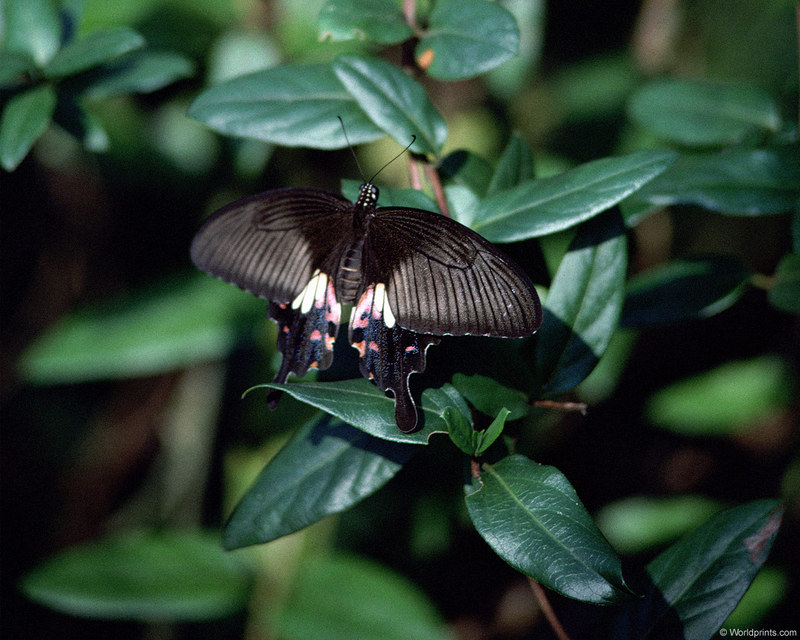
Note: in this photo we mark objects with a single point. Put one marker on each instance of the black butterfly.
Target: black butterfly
(412, 275)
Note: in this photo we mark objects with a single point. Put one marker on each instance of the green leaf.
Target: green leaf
(391, 197)
(81, 124)
(343, 597)
(489, 396)
(394, 101)
(325, 468)
(698, 581)
(703, 113)
(379, 21)
(14, 67)
(166, 327)
(583, 306)
(785, 291)
(514, 167)
(487, 436)
(144, 576)
(727, 399)
(466, 38)
(540, 207)
(92, 50)
(532, 518)
(32, 28)
(735, 181)
(468, 170)
(137, 72)
(460, 430)
(684, 290)
(25, 118)
(293, 105)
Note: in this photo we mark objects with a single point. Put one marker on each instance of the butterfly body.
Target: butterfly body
(411, 275)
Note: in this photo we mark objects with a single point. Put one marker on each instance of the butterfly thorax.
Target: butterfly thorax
(349, 275)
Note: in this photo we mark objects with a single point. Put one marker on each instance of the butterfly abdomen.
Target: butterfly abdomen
(349, 275)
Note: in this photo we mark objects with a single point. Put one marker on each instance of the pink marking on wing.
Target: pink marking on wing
(282, 305)
(373, 346)
(361, 348)
(333, 308)
(315, 335)
(285, 328)
(363, 310)
(411, 349)
(329, 340)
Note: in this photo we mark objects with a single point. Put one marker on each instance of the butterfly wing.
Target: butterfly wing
(442, 278)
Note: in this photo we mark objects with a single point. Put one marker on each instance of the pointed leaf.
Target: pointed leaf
(325, 468)
(460, 430)
(489, 396)
(487, 437)
(394, 101)
(532, 517)
(582, 309)
(92, 50)
(25, 118)
(514, 167)
(32, 28)
(292, 105)
(785, 291)
(540, 207)
(465, 38)
(378, 21)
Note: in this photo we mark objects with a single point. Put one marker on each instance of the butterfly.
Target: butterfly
(411, 275)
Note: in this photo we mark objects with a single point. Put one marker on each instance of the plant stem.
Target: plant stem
(547, 610)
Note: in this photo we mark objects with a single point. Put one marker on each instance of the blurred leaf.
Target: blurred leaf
(394, 101)
(703, 113)
(92, 50)
(390, 197)
(466, 169)
(724, 400)
(32, 27)
(465, 38)
(532, 517)
(583, 306)
(735, 181)
(510, 79)
(137, 72)
(796, 227)
(633, 525)
(769, 588)
(169, 326)
(325, 468)
(294, 105)
(540, 207)
(25, 118)
(785, 291)
(81, 124)
(236, 53)
(514, 167)
(144, 576)
(13, 68)
(684, 290)
(697, 582)
(343, 597)
(489, 396)
(379, 21)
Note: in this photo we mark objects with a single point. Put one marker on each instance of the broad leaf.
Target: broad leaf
(684, 290)
(514, 166)
(32, 28)
(489, 396)
(137, 72)
(785, 291)
(92, 50)
(25, 118)
(325, 468)
(379, 21)
(703, 113)
(292, 105)
(697, 582)
(532, 517)
(144, 576)
(465, 38)
(14, 67)
(540, 207)
(583, 306)
(394, 101)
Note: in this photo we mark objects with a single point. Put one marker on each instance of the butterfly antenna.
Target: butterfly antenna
(407, 147)
(350, 146)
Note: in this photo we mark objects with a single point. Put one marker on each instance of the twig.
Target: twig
(562, 406)
(547, 610)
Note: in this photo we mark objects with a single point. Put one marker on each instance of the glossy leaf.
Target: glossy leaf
(394, 101)
(32, 28)
(514, 167)
(460, 430)
(703, 113)
(24, 119)
(465, 38)
(532, 518)
(684, 290)
(785, 291)
(540, 207)
(697, 582)
(392, 197)
(292, 105)
(92, 50)
(378, 21)
(341, 597)
(582, 309)
(144, 576)
(137, 72)
(489, 396)
(325, 468)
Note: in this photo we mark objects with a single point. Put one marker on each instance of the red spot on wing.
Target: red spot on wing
(374, 347)
(315, 335)
(411, 349)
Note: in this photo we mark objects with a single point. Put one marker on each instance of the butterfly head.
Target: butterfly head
(367, 197)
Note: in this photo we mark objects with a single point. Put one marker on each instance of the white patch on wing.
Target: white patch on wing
(382, 303)
(313, 291)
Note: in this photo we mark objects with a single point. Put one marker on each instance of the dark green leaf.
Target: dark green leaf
(145, 576)
(92, 50)
(325, 468)
(532, 517)
(698, 581)
(703, 113)
(390, 197)
(583, 305)
(466, 169)
(736, 181)
(14, 67)
(394, 101)
(540, 207)
(343, 597)
(32, 28)
(489, 396)
(378, 21)
(460, 429)
(684, 290)
(25, 118)
(785, 291)
(137, 72)
(81, 124)
(292, 105)
(466, 38)
(514, 167)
